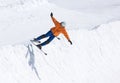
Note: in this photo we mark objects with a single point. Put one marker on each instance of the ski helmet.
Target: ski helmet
(63, 24)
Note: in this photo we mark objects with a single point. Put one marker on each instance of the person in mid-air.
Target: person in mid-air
(53, 32)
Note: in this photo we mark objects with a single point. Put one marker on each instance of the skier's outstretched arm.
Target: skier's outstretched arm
(54, 20)
(67, 36)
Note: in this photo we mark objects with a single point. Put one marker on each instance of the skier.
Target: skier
(53, 32)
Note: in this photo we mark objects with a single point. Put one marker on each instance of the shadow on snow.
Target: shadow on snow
(31, 61)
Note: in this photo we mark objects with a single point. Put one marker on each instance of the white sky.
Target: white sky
(85, 4)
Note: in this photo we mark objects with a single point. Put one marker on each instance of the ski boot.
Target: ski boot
(39, 46)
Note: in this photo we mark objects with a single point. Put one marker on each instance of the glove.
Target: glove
(58, 38)
(51, 14)
(70, 41)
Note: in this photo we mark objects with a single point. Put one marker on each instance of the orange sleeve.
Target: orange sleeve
(65, 34)
(55, 21)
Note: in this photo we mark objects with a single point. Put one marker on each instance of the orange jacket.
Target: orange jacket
(59, 29)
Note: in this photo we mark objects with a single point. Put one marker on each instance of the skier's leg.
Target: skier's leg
(48, 40)
(44, 36)
(40, 37)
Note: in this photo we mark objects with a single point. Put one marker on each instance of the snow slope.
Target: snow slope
(93, 57)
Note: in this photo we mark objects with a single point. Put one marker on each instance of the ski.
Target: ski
(38, 47)
(43, 52)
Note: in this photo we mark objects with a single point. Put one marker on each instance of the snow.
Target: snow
(93, 57)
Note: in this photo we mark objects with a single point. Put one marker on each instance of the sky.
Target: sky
(86, 5)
